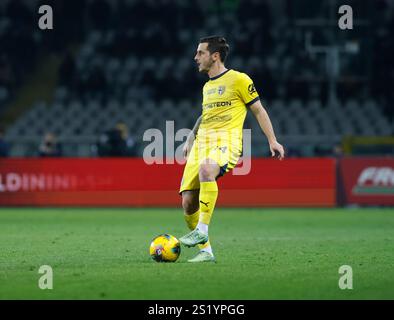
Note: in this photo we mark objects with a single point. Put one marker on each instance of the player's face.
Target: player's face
(203, 58)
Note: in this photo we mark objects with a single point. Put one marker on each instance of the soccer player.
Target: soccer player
(215, 143)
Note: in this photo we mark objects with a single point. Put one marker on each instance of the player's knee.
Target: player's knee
(207, 172)
(189, 203)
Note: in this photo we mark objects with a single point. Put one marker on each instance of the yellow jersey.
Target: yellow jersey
(225, 101)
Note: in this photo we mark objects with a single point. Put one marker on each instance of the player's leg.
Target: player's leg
(189, 190)
(209, 169)
(190, 204)
(219, 161)
(191, 209)
(208, 172)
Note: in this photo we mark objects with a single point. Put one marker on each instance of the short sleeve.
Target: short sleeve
(246, 90)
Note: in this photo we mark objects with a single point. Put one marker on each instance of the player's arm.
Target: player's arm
(265, 124)
(190, 138)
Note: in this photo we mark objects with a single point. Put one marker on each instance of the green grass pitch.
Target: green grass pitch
(261, 253)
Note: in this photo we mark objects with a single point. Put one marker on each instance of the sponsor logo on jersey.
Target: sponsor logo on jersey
(251, 88)
(217, 119)
(223, 149)
(217, 104)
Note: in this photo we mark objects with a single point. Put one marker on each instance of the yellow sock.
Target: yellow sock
(191, 221)
(208, 196)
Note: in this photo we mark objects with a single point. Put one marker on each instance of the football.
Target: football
(165, 248)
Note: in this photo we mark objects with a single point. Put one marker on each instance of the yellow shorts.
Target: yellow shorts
(227, 158)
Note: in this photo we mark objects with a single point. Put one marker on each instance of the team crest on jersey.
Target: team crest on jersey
(221, 90)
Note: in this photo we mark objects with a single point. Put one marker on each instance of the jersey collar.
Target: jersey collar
(219, 75)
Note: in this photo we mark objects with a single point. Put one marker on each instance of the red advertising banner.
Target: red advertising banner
(132, 182)
(368, 181)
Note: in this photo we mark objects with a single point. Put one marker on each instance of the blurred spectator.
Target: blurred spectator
(49, 146)
(4, 147)
(337, 151)
(116, 142)
(131, 145)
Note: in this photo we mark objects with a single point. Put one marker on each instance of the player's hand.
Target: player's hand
(277, 147)
(186, 148)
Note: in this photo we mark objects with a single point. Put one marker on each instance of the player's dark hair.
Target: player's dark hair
(217, 44)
